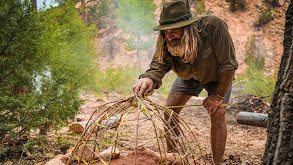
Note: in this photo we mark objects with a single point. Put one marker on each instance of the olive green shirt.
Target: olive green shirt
(215, 54)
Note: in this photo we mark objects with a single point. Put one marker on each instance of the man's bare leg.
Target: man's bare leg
(218, 135)
(174, 100)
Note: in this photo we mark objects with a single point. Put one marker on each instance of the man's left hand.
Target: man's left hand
(212, 103)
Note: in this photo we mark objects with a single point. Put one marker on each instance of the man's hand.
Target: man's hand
(212, 103)
(143, 86)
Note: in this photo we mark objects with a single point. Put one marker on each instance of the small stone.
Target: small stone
(55, 162)
(61, 157)
(49, 155)
(41, 163)
(69, 151)
(8, 163)
(270, 53)
(88, 152)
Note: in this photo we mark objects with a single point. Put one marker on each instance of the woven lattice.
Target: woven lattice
(138, 123)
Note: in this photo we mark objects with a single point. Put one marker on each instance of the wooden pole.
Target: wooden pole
(253, 119)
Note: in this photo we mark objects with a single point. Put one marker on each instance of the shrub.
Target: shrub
(46, 58)
(236, 5)
(119, 80)
(265, 17)
(254, 81)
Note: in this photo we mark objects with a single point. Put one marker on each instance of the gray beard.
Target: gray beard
(176, 50)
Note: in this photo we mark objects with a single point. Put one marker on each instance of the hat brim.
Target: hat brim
(175, 24)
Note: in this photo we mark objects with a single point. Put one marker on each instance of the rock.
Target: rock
(49, 155)
(36, 146)
(270, 53)
(174, 158)
(69, 151)
(87, 152)
(8, 163)
(171, 158)
(106, 154)
(55, 162)
(61, 157)
(41, 163)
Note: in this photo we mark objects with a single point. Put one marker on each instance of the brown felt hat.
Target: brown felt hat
(174, 15)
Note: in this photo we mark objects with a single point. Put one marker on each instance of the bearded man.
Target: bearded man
(201, 52)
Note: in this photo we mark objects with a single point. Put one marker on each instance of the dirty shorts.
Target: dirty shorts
(193, 87)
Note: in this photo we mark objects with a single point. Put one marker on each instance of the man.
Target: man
(201, 52)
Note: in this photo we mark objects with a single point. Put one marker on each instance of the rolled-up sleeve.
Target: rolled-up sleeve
(156, 72)
(223, 46)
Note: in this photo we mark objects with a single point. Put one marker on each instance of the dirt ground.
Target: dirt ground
(245, 144)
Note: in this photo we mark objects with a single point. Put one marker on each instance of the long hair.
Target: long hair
(189, 42)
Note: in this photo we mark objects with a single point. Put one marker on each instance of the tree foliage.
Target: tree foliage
(46, 58)
(265, 17)
(98, 11)
(136, 18)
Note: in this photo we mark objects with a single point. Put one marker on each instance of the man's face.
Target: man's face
(174, 35)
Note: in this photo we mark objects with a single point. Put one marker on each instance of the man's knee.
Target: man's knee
(219, 116)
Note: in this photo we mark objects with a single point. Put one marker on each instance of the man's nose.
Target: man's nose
(170, 37)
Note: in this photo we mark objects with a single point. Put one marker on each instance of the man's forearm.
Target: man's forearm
(225, 81)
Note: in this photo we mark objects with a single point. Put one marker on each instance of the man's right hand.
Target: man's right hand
(143, 86)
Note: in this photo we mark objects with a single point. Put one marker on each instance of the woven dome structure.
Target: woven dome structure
(131, 124)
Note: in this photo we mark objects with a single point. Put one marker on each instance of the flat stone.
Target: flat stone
(55, 162)
(62, 157)
(110, 153)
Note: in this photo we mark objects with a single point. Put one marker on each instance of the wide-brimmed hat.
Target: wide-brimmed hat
(174, 15)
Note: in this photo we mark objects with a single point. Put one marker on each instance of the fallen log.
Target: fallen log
(79, 127)
(253, 119)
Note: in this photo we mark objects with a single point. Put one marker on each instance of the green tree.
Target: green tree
(46, 57)
(136, 18)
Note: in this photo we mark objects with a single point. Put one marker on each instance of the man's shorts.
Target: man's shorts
(193, 87)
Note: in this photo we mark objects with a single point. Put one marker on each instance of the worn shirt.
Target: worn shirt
(215, 54)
